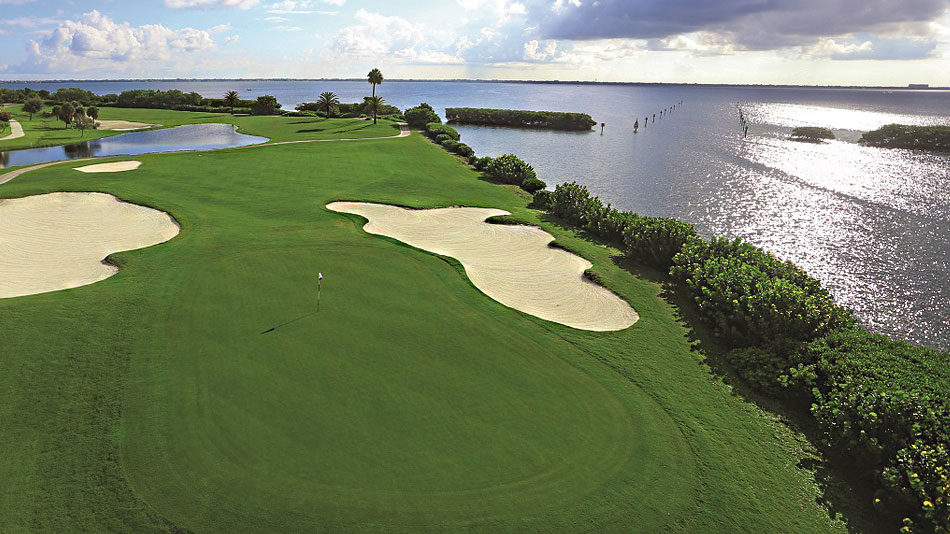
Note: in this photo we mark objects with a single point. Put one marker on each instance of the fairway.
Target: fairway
(408, 401)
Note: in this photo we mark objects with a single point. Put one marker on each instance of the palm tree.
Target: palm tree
(328, 101)
(375, 77)
(374, 104)
(232, 98)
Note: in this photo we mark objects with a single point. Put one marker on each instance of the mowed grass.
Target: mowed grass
(153, 401)
(48, 131)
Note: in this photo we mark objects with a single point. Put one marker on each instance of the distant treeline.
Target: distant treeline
(882, 406)
(552, 120)
(913, 137)
(145, 98)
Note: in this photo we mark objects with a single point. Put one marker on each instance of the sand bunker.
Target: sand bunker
(59, 240)
(121, 126)
(117, 166)
(511, 264)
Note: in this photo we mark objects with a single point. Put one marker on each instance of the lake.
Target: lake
(187, 137)
(873, 224)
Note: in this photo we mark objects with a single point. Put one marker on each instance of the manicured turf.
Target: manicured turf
(48, 131)
(152, 401)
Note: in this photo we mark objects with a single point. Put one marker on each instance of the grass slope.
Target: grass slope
(152, 402)
(48, 131)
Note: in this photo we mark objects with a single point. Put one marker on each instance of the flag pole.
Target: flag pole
(319, 287)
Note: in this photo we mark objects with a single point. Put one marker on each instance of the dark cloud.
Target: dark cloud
(753, 24)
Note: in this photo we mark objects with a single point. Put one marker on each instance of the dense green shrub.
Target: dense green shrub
(464, 150)
(5, 116)
(449, 144)
(434, 129)
(510, 169)
(520, 118)
(421, 115)
(752, 297)
(266, 105)
(911, 137)
(481, 164)
(542, 200)
(887, 403)
(148, 98)
(533, 185)
(812, 133)
(442, 137)
(655, 240)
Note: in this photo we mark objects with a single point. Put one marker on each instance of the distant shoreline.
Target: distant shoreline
(466, 80)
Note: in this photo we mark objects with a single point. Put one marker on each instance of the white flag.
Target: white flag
(319, 276)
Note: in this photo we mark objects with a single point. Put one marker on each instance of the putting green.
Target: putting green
(376, 409)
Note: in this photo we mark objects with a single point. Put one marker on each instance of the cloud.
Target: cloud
(871, 48)
(206, 4)
(232, 39)
(96, 42)
(220, 28)
(754, 24)
(29, 22)
(287, 28)
(302, 7)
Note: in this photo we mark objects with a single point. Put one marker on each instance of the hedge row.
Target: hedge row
(882, 403)
(508, 169)
(520, 118)
(347, 110)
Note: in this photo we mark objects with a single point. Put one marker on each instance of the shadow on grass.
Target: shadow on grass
(842, 482)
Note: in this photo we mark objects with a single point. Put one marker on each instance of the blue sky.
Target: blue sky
(861, 42)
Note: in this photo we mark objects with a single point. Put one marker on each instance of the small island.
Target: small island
(811, 134)
(517, 118)
(936, 138)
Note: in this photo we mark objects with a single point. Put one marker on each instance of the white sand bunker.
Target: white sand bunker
(511, 264)
(60, 240)
(121, 126)
(117, 166)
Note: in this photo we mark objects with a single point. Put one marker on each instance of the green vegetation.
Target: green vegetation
(375, 77)
(935, 138)
(46, 131)
(421, 116)
(151, 402)
(328, 101)
(812, 134)
(374, 105)
(551, 120)
(882, 404)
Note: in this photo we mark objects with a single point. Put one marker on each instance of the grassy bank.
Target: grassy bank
(152, 402)
(49, 131)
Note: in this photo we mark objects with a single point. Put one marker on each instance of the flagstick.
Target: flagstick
(319, 284)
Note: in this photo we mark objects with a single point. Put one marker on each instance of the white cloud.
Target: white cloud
(302, 7)
(287, 28)
(95, 41)
(831, 47)
(220, 28)
(534, 52)
(30, 22)
(232, 39)
(239, 4)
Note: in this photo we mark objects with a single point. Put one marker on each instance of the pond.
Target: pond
(187, 137)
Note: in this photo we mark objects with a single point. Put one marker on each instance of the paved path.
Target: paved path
(16, 131)
(4, 178)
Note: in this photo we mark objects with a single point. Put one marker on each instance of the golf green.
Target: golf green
(207, 388)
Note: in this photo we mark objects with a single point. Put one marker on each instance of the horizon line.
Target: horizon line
(913, 87)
